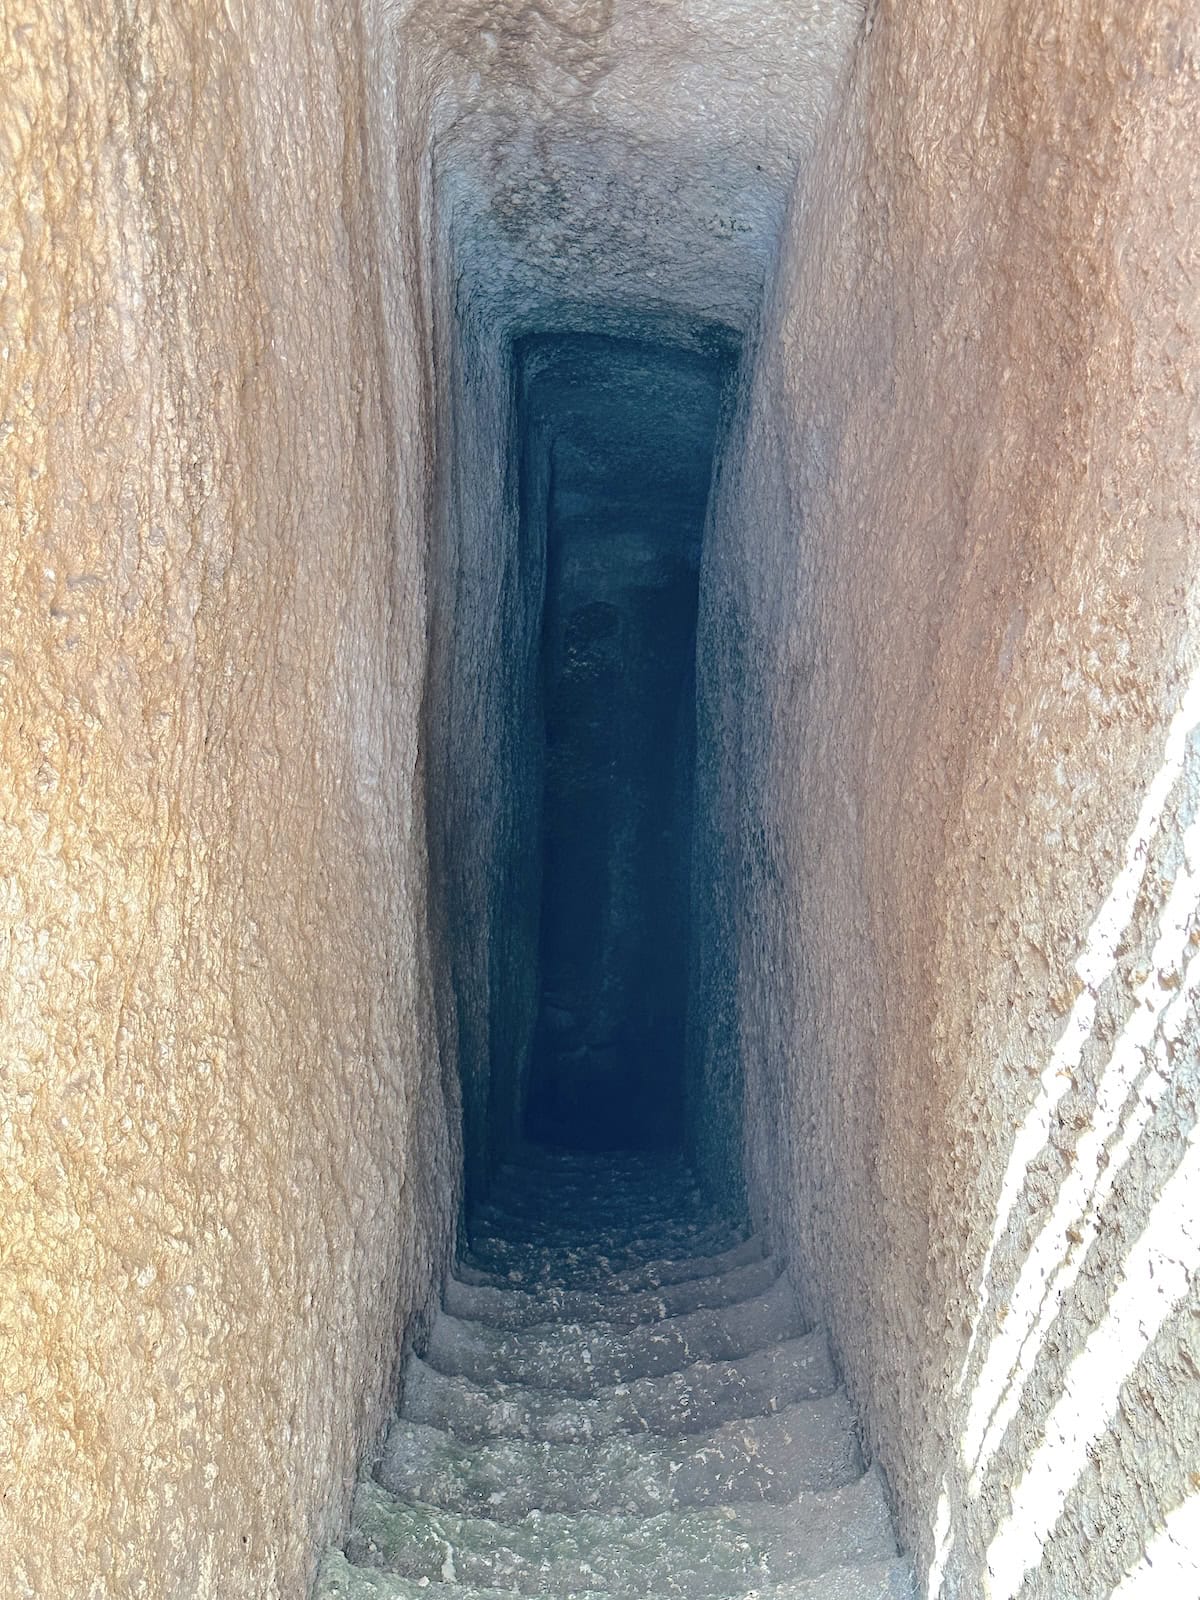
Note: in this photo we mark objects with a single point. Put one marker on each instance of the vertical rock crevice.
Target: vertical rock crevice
(612, 184)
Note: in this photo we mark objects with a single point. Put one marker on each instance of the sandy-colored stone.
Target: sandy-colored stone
(218, 1063)
(953, 605)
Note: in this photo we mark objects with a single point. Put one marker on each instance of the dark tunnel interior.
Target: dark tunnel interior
(618, 441)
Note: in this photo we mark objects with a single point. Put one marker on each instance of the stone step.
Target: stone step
(679, 1555)
(592, 1278)
(598, 1187)
(617, 1252)
(874, 1580)
(576, 1359)
(619, 1399)
(702, 1395)
(539, 1159)
(803, 1447)
(523, 1308)
(574, 1230)
(568, 1218)
(634, 1242)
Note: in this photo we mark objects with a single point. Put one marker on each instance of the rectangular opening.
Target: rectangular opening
(617, 447)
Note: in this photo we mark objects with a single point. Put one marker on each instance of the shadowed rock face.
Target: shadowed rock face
(619, 436)
(595, 168)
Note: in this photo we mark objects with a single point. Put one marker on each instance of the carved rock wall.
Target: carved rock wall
(951, 798)
(226, 1169)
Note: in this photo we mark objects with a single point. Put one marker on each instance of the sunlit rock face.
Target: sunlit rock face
(227, 1172)
(949, 621)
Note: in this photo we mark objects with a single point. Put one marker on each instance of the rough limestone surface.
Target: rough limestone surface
(949, 665)
(602, 162)
(254, 264)
(226, 1180)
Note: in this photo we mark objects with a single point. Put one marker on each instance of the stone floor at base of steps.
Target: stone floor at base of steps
(689, 1553)
(876, 1580)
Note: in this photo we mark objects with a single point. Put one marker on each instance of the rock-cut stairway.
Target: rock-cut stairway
(619, 1398)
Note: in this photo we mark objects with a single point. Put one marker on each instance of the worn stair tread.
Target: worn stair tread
(662, 1188)
(577, 1360)
(876, 1580)
(514, 1308)
(593, 1278)
(803, 1447)
(565, 1220)
(720, 1551)
(569, 1216)
(538, 1159)
(527, 1189)
(573, 1221)
(624, 1247)
(700, 1395)
(516, 1195)
(584, 1264)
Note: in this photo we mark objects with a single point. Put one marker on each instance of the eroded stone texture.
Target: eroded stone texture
(482, 737)
(218, 1061)
(606, 162)
(953, 609)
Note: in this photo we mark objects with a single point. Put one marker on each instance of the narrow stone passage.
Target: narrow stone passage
(614, 576)
(620, 1397)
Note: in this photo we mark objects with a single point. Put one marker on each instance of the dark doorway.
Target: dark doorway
(619, 439)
